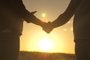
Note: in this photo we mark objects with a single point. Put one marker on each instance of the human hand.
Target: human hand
(47, 27)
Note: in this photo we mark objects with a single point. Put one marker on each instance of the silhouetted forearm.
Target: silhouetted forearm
(65, 17)
(29, 17)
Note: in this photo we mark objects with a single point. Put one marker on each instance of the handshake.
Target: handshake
(47, 27)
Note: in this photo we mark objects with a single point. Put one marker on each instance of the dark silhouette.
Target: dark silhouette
(12, 15)
(81, 26)
(24, 55)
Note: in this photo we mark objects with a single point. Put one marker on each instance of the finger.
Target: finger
(47, 30)
(33, 12)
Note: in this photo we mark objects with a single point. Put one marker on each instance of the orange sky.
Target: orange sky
(61, 37)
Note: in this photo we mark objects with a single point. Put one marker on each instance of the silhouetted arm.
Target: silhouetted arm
(30, 17)
(65, 17)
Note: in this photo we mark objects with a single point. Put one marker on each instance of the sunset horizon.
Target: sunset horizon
(61, 38)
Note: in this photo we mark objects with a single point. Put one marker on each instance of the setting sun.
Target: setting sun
(45, 44)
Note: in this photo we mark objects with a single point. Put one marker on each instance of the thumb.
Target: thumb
(33, 12)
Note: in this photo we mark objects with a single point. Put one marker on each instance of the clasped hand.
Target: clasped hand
(47, 27)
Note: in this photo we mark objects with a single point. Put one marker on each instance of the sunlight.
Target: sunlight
(34, 38)
(45, 44)
(40, 41)
(43, 15)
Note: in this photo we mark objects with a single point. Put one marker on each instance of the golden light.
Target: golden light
(45, 45)
(43, 15)
(42, 42)
(71, 28)
(64, 29)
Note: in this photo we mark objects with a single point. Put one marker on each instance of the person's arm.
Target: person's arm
(65, 17)
(29, 16)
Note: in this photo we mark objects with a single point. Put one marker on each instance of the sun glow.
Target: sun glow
(45, 44)
(43, 15)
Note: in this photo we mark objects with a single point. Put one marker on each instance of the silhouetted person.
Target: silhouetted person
(81, 26)
(12, 15)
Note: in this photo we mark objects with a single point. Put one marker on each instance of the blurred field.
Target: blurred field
(45, 56)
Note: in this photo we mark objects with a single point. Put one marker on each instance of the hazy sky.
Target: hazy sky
(61, 37)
